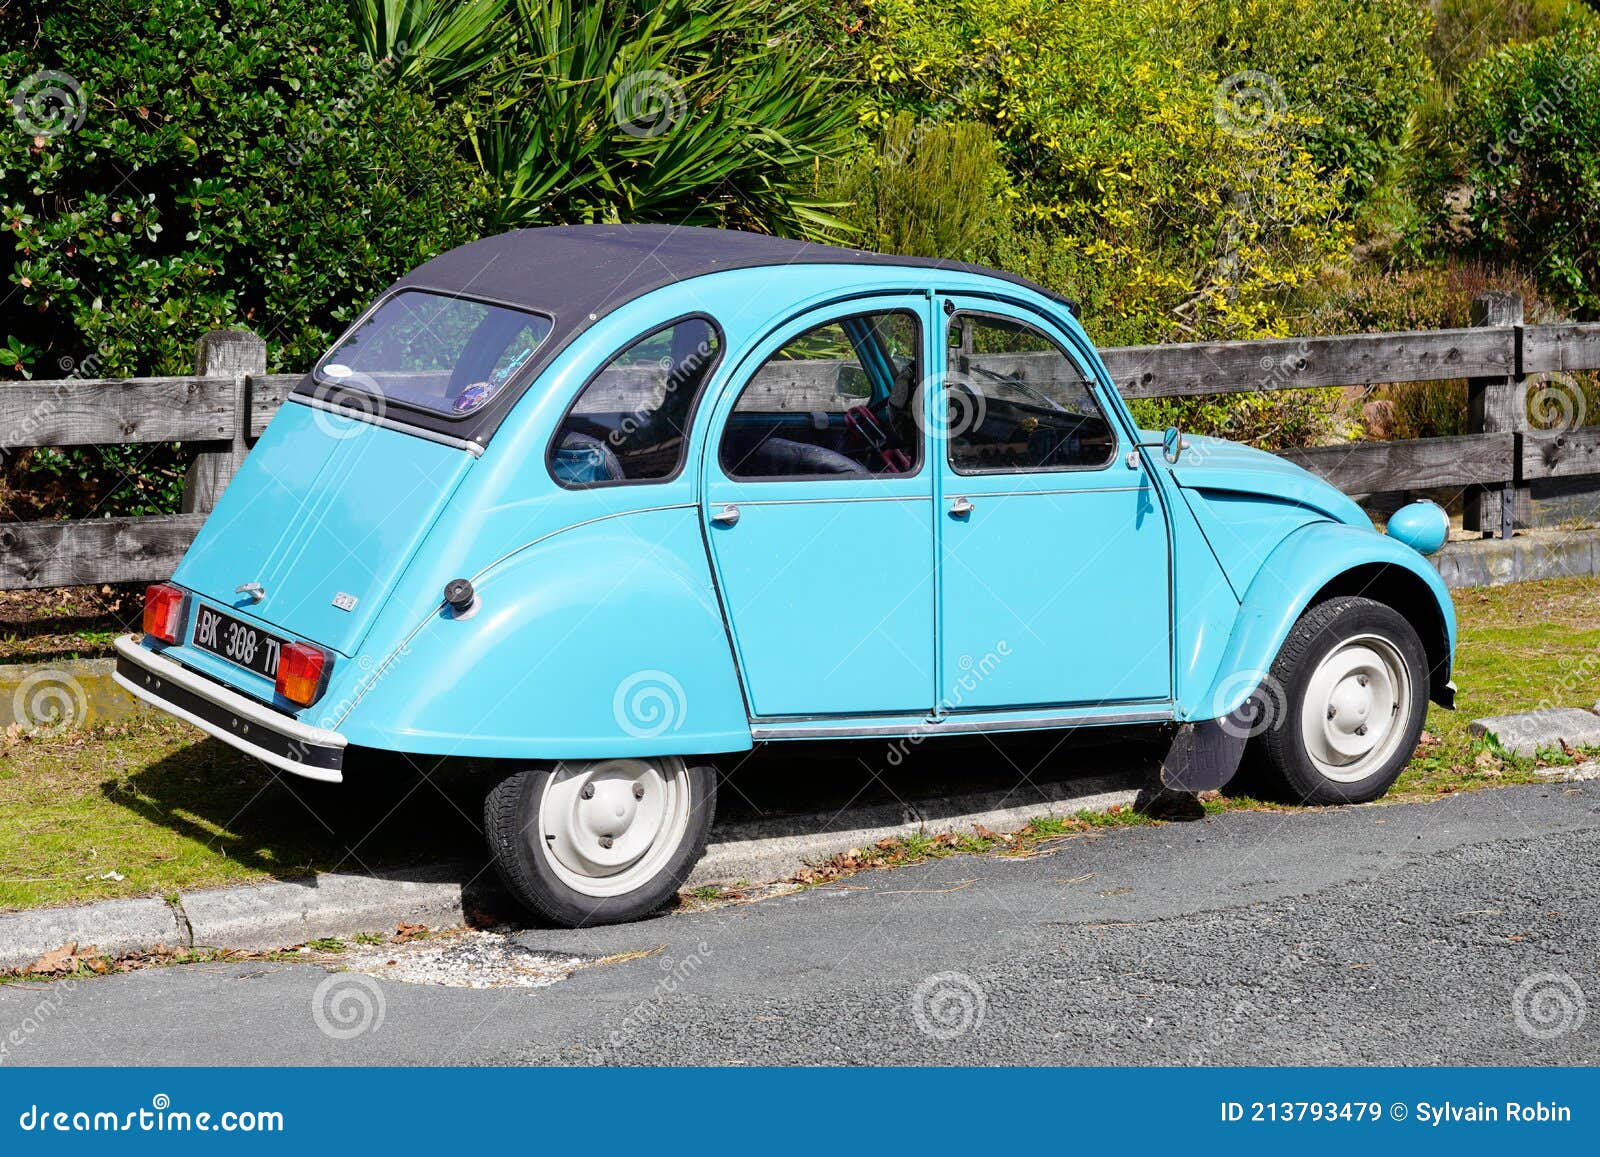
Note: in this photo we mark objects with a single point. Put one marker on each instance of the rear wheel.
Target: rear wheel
(599, 841)
(1345, 703)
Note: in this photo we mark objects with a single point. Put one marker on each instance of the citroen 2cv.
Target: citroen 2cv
(602, 502)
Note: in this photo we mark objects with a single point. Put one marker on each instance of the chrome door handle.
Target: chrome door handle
(728, 515)
(960, 508)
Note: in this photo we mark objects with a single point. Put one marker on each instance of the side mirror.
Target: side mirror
(1173, 445)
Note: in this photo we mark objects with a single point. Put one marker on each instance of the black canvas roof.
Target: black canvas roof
(576, 274)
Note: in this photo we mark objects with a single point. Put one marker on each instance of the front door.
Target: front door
(818, 508)
(1053, 542)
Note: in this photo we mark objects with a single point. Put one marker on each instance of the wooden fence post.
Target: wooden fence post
(228, 353)
(1497, 406)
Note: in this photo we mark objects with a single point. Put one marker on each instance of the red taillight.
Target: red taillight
(164, 605)
(302, 671)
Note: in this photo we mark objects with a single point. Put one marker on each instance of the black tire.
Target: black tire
(1279, 763)
(523, 859)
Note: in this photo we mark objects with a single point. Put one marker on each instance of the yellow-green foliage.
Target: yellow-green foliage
(1192, 206)
(1353, 70)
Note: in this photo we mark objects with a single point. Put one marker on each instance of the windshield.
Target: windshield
(438, 353)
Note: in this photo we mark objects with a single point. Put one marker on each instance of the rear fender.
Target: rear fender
(604, 639)
(1318, 562)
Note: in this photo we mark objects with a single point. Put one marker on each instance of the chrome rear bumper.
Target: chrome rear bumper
(272, 737)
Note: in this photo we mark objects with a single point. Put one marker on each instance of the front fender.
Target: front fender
(1316, 558)
(604, 639)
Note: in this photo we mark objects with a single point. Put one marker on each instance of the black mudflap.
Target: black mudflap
(1204, 755)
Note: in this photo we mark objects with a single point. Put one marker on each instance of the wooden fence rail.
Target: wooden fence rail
(228, 402)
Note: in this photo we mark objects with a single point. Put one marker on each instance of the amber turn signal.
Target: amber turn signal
(303, 672)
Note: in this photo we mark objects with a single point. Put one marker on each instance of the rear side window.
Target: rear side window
(630, 423)
(448, 355)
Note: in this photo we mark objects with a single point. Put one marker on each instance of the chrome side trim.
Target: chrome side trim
(167, 672)
(388, 423)
(950, 726)
(1064, 490)
(829, 501)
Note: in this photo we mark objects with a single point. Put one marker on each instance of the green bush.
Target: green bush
(1524, 141)
(232, 167)
(1353, 71)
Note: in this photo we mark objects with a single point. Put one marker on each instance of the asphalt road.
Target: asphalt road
(1463, 931)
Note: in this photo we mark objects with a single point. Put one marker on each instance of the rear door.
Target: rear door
(818, 513)
(324, 514)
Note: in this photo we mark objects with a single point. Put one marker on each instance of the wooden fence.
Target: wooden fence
(223, 407)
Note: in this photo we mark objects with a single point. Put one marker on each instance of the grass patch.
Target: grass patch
(151, 807)
(1523, 646)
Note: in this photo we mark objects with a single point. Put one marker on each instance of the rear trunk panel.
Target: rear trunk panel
(325, 514)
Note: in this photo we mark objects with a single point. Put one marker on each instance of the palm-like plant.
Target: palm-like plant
(687, 111)
(445, 44)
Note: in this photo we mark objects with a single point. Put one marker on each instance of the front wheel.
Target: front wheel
(1344, 703)
(599, 841)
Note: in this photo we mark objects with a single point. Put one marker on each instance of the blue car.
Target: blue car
(601, 503)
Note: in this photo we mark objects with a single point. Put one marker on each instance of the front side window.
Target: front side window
(835, 401)
(630, 423)
(433, 352)
(1015, 401)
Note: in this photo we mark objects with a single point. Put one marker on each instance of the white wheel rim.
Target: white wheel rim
(608, 826)
(1356, 707)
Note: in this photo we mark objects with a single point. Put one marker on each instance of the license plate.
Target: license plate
(238, 642)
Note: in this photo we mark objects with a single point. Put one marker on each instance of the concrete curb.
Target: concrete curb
(1533, 556)
(114, 926)
(760, 850)
(261, 917)
(1526, 732)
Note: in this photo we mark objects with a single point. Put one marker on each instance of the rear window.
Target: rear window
(447, 355)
